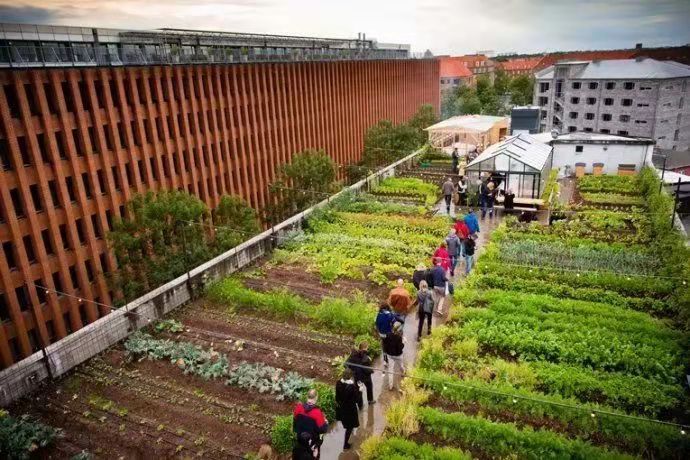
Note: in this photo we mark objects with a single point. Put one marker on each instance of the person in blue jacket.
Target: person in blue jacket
(384, 324)
(472, 222)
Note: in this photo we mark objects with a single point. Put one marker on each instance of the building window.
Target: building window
(70, 188)
(8, 249)
(80, 231)
(624, 118)
(626, 102)
(17, 203)
(543, 87)
(589, 116)
(53, 193)
(676, 134)
(605, 131)
(606, 116)
(629, 85)
(456, 81)
(96, 227)
(543, 101)
(87, 185)
(591, 100)
(5, 157)
(23, 298)
(572, 115)
(579, 148)
(572, 129)
(577, 85)
(12, 100)
(47, 243)
(588, 130)
(611, 85)
(622, 133)
(641, 122)
(36, 197)
(608, 101)
(574, 100)
(645, 88)
(678, 118)
(29, 249)
(593, 85)
(643, 105)
(680, 103)
(63, 236)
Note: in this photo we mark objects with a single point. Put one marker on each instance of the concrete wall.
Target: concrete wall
(610, 155)
(25, 376)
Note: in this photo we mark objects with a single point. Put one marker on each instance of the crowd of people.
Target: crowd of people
(433, 284)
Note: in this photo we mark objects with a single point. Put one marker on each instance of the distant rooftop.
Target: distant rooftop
(453, 67)
(591, 138)
(620, 69)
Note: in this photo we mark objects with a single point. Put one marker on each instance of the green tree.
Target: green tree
(158, 240)
(521, 90)
(303, 182)
(469, 104)
(423, 118)
(235, 222)
(501, 82)
(386, 142)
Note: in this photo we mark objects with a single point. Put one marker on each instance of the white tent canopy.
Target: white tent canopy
(468, 130)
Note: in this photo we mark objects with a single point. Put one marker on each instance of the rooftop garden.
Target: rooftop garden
(570, 341)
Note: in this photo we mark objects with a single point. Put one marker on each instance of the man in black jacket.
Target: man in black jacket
(358, 358)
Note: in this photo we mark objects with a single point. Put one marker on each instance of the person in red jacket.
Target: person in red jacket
(442, 254)
(463, 233)
(308, 421)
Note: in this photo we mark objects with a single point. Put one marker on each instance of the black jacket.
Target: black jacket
(393, 344)
(469, 246)
(418, 276)
(348, 400)
(362, 358)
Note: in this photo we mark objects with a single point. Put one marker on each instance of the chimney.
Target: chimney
(638, 46)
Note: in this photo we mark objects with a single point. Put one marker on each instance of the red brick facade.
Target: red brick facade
(77, 144)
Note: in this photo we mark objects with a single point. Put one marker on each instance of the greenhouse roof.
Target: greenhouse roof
(523, 148)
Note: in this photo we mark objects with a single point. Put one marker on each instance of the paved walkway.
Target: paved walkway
(373, 418)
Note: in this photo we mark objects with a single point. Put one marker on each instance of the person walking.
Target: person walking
(463, 233)
(384, 325)
(447, 188)
(455, 158)
(491, 199)
(309, 423)
(472, 222)
(470, 246)
(393, 346)
(462, 191)
(425, 308)
(360, 365)
(453, 244)
(348, 401)
(441, 253)
(419, 274)
(400, 300)
(484, 194)
(439, 280)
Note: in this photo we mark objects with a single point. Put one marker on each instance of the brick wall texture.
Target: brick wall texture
(77, 144)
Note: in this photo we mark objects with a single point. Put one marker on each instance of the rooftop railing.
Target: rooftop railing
(22, 56)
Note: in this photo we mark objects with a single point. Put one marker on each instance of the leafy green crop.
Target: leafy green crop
(614, 199)
(402, 449)
(21, 438)
(628, 185)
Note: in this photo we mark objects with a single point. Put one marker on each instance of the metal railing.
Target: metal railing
(107, 55)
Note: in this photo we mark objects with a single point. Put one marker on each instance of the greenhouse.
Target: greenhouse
(521, 163)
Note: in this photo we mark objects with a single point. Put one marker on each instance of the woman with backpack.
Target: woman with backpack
(425, 308)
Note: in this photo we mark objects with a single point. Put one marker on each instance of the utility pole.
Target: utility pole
(675, 203)
(663, 170)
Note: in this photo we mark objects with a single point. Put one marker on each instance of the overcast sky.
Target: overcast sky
(444, 26)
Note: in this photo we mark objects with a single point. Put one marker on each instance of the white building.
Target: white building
(601, 153)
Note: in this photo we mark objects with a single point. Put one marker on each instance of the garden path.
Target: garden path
(373, 418)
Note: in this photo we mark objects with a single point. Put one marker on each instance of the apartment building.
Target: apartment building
(630, 97)
(453, 74)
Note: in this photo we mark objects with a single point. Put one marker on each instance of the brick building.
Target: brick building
(519, 66)
(454, 73)
(628, 97)
(77, 143)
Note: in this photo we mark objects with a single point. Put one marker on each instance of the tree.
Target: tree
(521, 90)
(158, 240)
(386, 142)
(235, 222)
(302, 183)
(424, 117)
(469, 103)
(501, 82)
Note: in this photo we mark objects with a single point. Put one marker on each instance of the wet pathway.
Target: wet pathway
(372, 418)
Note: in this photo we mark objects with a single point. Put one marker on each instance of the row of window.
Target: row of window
(605, 117)
(455, 81)
(610, 85)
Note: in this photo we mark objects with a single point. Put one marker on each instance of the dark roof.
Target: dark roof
(674, 158)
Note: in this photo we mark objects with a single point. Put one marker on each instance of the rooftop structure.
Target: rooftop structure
(30, 45)
(521, 160)
(630, 97)
(519, 66)
(478, 131)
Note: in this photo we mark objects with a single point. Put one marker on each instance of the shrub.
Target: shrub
(344, 316)
(377, 448)
(282, 436)
(21, 437)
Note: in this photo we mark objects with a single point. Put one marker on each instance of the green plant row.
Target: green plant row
(560, 255)
(632, 227)
(396, 448)
(409, 186)
(567, 314)
(352, 228)
(511, 282)
(599, 349)
(22, 438)
(615, 389)
(626, 286)
(365, 203)
(628, 185)
(551, 187)
(503, 439)
(613, 198)
(634, 435)
(338, 315)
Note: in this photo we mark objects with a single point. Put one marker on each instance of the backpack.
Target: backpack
(427, 305)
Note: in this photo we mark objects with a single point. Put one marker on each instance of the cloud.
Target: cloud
(28, 14)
